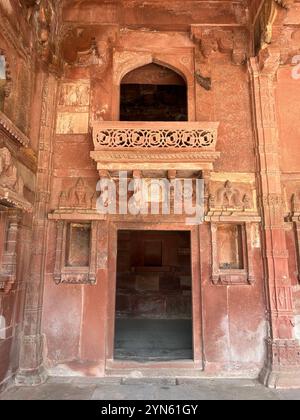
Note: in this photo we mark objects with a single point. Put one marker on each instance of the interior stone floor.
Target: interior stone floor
(136, 339)
(148, 389)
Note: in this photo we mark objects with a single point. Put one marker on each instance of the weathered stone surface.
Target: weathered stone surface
(237, 128)
(149, 389)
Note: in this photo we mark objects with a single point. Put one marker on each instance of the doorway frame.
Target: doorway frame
(198, 359)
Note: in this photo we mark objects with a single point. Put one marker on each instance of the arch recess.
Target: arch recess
(127, 61)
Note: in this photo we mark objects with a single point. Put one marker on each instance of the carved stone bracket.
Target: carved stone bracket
(212, 40)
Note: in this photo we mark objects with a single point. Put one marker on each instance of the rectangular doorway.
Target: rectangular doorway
(153, 317)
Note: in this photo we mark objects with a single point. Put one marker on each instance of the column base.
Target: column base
(282, 369)
(280, 379)
(31, 371)
(31, 377)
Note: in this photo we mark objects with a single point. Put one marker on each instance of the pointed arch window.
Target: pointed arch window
(153, 93)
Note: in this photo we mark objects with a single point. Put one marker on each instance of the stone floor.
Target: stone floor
(148, 389)
(136, 339)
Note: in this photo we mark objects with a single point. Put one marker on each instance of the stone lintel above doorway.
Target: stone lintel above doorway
(155, 145)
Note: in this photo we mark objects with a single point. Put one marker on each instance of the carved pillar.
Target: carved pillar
(206, 175)
(282, 367)
(31, 370)
(61, 226)
(8, 270)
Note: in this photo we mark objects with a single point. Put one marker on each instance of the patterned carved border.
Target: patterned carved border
(125, 135)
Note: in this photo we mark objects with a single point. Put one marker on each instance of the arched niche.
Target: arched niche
(125, 62)
(153, 93)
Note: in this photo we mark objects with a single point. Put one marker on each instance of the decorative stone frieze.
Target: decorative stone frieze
(11, 183)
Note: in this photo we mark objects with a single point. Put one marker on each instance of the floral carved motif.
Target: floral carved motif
(147, 138)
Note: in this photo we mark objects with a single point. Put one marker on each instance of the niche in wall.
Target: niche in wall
(78, 244)
(75, 259)
(231, 248)
(153, 93)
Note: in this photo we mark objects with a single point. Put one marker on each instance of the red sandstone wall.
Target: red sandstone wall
(229, 102)
(234, 321)
(288, 106)
(75, 319)
(25, 89)
(64, 305)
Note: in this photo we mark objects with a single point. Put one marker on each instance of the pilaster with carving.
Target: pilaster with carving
(286, 370)
(31, 370)
(8, 270)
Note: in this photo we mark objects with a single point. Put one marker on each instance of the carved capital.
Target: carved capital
(269, 61)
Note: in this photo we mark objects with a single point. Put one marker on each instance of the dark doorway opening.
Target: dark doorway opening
(153, 93)
(153, 296)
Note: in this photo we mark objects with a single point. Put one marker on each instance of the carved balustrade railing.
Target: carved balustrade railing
(154, 135)
(140, 142)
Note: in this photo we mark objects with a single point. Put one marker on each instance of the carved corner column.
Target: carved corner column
(282, 367)
(31, 369)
